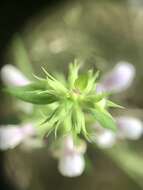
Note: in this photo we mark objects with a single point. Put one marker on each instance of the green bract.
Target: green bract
(67, 103)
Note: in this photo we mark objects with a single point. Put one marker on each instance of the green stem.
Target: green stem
(129, 161)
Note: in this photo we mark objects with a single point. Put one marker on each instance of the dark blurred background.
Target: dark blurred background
(112, 28)
(13, 15)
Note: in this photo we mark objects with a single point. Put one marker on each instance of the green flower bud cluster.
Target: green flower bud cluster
(68, 103)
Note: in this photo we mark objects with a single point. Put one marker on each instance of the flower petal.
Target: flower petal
(12, 76)
(10, 137)
(119, 79)
(13, 135)
(68, 144)
(129, 127)
(105, 139)
(71, 165)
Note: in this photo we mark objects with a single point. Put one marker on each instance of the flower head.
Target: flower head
(67, 103)
(70, 106)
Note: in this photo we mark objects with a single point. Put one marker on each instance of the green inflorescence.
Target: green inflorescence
(68, 103)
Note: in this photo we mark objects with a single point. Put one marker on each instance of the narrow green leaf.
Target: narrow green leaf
(78, 120)
(113, 105)
(81, 82)
(73, 73)
(67, 123)
(104, 119)
(91, 81)
(129, 160)
(32, 93)
(97, 97)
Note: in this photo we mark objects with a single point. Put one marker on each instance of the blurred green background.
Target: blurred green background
(100, 33)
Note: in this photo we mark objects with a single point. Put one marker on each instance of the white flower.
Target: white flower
(12, 76)
(129, 127)
(106, 139)
(71, 161)
(118, 79)
(13, 135)
(71, 165)
(10, 137)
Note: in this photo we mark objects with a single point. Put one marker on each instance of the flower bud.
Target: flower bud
(118, 79)
(71, 160)
(129, 127)
(71, 165)
(10, 137)
(105, 139)
(12, 76)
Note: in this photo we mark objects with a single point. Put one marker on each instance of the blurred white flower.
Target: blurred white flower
(106, 139)
(13, 135)
(71, 161)
(10, 137)
(118, 79)
(71, 165)
(129, 127)
(12, 76)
